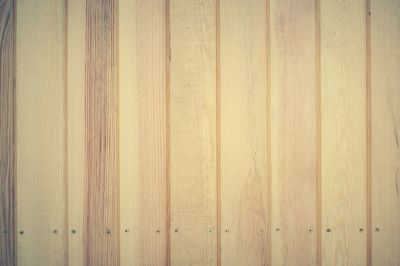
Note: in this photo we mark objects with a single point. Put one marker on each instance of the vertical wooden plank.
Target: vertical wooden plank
(385, 62)
(101, 239)
(7, 134)
(76, 128)
(41, 152)
(143, 132)
(343, 97)
(243, 132)
(129, 134)
(293, 132)
(193, 132)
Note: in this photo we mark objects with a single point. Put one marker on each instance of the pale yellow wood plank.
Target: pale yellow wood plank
(129, 132)
(385, 60)
(76, 129)
(343, 147)
(193, 132)
(243, 132)
(40, 133)
(143, 132)
(293, 132)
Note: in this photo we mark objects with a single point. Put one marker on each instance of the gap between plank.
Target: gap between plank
(65, 110)
(268, 110)
(168, 130)
(218, 126)
(369, 127)
(318, 125)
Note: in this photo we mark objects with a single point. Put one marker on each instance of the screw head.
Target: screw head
(21, 232)
(310, 230)
(328, 230)
(176, 230)
(158, 231)
(377, 229)
(259, 230)
(361, 230)
(126, 230)
(226, 230)
(277, 229)
(73, 231)
(55, 231)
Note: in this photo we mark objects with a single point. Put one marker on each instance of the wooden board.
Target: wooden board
(244, 191)
(293, 132)
(7, 134)
(41, 133)
(101, 239)
(385, 61)
(143, 133)
(75, 47)
(193, 132)
(344, 136)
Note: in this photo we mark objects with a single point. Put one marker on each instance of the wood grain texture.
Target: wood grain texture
(193, 132)
(143, 132)
(293, 132)
(385, 61)
(344, 160)
(40, 138)
(243, 132)
(76, 128)
(101, 239)
(7, 134)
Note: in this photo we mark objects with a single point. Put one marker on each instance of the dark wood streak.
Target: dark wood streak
(7, 134)
(101, 237)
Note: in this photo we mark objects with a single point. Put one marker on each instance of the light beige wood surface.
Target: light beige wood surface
(129, 132)
(143, 133)
(75, 45)
(193, 132)
(385, 62)
(41, 151)
(244, 191)
(293, 132)
(200, 132)
(344, 136)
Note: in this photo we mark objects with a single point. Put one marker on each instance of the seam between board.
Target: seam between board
(218, 127)
(318, 126)
(168, 138)
(368, 131)
(268, 111)
(65, 110)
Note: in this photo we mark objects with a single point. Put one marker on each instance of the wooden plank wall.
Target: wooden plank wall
(200, 132)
